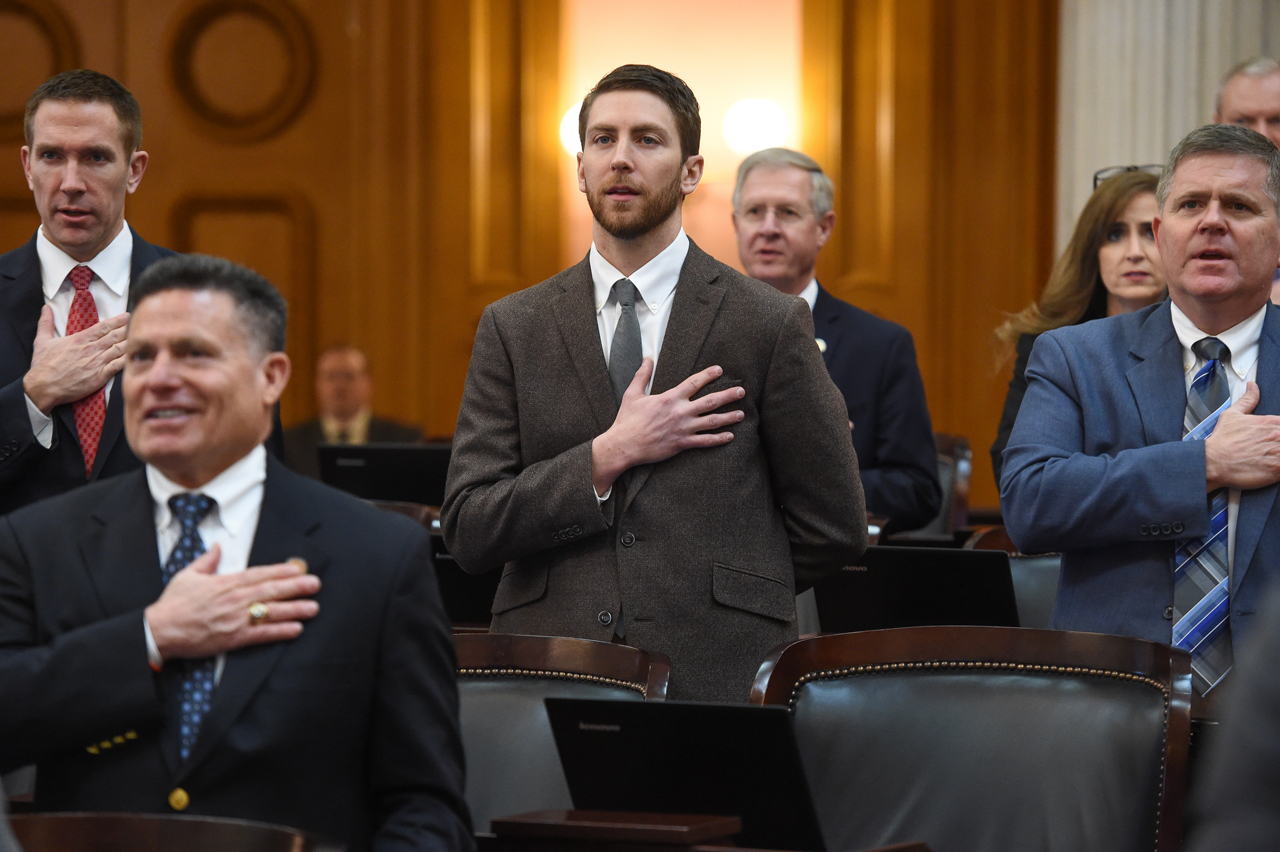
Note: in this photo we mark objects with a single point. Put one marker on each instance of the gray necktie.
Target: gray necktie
(625, 353)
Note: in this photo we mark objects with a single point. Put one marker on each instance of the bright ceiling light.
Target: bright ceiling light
(569, 130)
(755, 123)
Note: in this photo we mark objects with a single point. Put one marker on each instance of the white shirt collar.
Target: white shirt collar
(655, 281)
(1241, 339)
(810, 293)
(111, 264)
(233, 489)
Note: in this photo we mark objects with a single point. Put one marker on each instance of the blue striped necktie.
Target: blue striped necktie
(196, 688)
(1201, 576)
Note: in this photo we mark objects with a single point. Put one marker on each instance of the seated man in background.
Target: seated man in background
(344, 393)
(1147, 449)
(782, 214)
(146, 667)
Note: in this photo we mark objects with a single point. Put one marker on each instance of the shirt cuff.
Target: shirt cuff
(41, 426)
(600, 500)
(153, 652)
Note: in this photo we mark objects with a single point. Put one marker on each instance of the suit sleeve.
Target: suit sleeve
(901, 482)
(496, 508)
(87, 684)
(1012, 402)
(18, 444)
(804, 427)
(415, 755)
(1058, 493)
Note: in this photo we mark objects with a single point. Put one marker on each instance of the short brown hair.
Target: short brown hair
(673, 92)
(84, 86)
(1231, 139)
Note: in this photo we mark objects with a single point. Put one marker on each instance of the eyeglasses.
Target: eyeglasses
(1111, 171)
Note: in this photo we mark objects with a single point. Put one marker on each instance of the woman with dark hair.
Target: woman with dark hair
(1110, 267)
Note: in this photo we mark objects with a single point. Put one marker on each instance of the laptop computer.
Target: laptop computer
(408, 473)
(917, 587)
(691, 758)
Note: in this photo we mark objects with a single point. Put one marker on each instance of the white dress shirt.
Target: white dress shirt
(1242, 340)
(109, 288)
(810, 293)
(655, 284)
(655, 290)
(231, 524)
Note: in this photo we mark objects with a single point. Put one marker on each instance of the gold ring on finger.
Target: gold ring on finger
(258, 612)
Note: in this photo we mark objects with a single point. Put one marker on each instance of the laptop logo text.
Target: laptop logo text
(589, 726)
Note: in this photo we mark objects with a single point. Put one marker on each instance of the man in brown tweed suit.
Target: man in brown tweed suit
(676, 506)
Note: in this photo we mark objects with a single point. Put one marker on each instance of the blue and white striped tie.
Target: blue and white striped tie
(1201, 575)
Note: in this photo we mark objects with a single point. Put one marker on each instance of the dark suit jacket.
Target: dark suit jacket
(29, 472)
(301, 441)
(350, 731)
(702, 552)
(1234, 802)
(1096, 468)
(873, 363)
(1012, 402)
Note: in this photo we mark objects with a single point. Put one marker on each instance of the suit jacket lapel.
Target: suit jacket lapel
(284, 525)
(1255, 505)
(1157, 381)
(825, 325)
(575, 312)
(697, 301)
(21, 297)
(120, 544)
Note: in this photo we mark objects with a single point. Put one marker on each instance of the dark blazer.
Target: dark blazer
(1096, 468)
(873, 363)
(1233, 803)
(29, 472)
(301, 441)
(701, 554)
(349, 731)
(1012, 402)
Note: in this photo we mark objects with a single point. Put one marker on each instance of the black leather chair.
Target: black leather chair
(158, 833)
(1035, 577)
(978, 739)
(955, 469)
(512, 763)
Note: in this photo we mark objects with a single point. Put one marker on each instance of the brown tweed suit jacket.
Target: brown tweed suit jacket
(699, 556)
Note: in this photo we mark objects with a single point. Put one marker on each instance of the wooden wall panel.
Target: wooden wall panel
(935, 118)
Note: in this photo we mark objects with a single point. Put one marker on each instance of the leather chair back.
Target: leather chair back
(512, 763)
(987, 739)
(158, 833)
(1035, 585)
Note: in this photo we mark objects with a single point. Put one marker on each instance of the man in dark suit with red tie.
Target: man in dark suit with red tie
(63, 294)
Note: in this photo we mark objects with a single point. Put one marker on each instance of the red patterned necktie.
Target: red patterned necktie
(91, 411)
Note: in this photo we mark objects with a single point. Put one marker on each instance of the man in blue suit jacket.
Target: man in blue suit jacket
(1097, 467)
(81, 160)
(782, 215)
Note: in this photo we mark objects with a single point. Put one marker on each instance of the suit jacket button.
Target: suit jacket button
(1178, 527)
(628, 539)
(577, 530)
(178, 799)
(606, 618)
(1168, 613)
(1143, 530)
(1166, 529)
